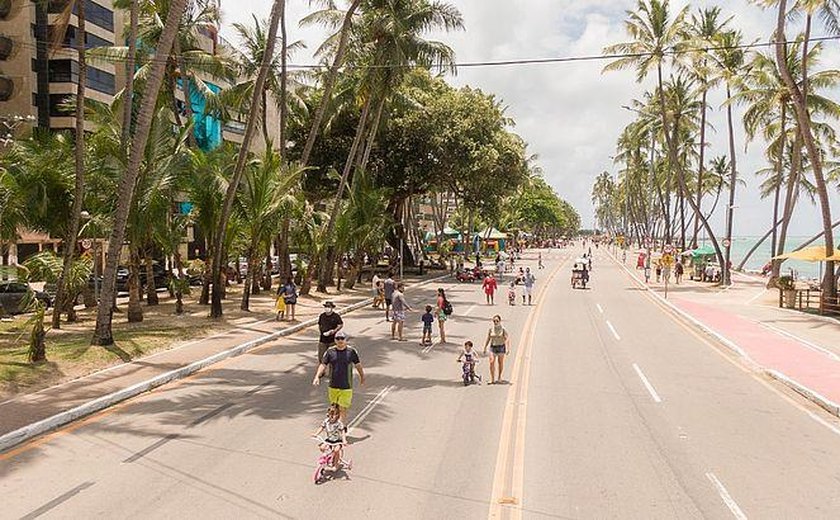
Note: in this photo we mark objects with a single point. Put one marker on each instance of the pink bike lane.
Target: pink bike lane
(808, 371)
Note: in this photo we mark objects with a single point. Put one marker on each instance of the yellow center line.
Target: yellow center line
(506, 499)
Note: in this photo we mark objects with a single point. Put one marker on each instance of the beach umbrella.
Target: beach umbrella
(809, 254)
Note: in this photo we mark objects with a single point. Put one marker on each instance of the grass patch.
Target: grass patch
(70, 354)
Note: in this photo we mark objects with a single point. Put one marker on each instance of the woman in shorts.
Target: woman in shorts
(499, 343)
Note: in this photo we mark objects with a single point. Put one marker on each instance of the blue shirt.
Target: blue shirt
(428, 318)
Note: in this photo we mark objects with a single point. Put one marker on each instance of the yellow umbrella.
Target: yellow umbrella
(809, 254)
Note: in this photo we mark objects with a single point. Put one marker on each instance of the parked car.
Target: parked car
(161, 277)
(13, 296)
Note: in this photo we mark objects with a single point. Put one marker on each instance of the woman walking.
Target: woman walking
(499, 343)
(442, 304)
(288, 291)
(489, 285)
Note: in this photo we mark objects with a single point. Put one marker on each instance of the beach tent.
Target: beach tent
(492, 238)
(809, 254)
(702, 251)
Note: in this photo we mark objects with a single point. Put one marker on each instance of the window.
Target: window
(91, 40)
(67, 71)
(101, 81)
(94, 13)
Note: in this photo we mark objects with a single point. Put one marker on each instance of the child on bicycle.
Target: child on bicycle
(469, 357)
(512, 293)
(336, 435)
(427, 320)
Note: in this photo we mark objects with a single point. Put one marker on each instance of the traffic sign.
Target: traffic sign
(727, 242)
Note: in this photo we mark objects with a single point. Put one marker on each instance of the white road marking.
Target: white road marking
(612, 329)
(647, 384)
(726, 497)
(805, 342)
(600, 309)
(469, 310)
(428, 348)
(369, 407)
(825, 423)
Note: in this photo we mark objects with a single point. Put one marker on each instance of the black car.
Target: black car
(161, 278)
(13, 296)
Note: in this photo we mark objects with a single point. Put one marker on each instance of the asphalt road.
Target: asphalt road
(615, 410)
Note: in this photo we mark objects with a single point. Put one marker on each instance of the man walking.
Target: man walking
(399, 308)
(528, 283)
(329, 323)
(388, 291)
(500, 268)
(339, 359)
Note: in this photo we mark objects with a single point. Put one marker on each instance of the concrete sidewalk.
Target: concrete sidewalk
(801, 350)
(27, 409)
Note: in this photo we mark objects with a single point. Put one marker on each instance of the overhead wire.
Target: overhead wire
(675, 51)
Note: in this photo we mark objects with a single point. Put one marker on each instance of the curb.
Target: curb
(15, 437)
(815, 397)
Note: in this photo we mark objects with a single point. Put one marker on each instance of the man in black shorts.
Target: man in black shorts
(388, 287)
(329, 322)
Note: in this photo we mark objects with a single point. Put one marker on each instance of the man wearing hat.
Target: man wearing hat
(329, 323)
(340, 359)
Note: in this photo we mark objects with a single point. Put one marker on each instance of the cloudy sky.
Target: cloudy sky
(570, 113)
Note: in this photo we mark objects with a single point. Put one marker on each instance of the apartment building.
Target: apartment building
(38, 77)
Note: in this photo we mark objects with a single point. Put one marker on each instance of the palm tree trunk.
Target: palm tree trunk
(702, 166)
(135, 311)
(680, 174)
(283, 250)
(79, 159)
(329, 82)
(284, 107)
(130, 65)
(757, 245)
(829, 284)
(326, 266)
(245, 305)
(103, 334)
(264, 119)
(373, 131)
(733, 179)
(259, 85)
(790, 201)
(266, 285)
(780, 166)
(151, 289)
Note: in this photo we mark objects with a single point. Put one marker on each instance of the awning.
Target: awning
(703, 251)
(492, 234)
(809, 254)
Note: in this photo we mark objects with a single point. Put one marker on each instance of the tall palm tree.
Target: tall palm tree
(79, 156)
(815, 154)
(103, 334)
(390, 37)
(705, 26)
(244, 150)
(730, 58)
(329, 79)
(655, 35)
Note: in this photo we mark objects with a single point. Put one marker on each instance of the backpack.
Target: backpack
(447, 308)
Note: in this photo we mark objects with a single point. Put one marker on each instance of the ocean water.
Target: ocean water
(805, 270)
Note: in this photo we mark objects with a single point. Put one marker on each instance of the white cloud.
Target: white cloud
(570, 113)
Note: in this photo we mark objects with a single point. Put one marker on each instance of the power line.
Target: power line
(675, 51)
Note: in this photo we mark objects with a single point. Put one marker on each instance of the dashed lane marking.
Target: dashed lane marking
(651, 390)
(726, 497)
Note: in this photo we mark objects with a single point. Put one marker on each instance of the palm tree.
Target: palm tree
(329, 79)
(803, 118)
(244, 150)
(79, 155)
(705, 26)
(730, 58)
(389, 37)
(265, 192)
(655, 35)
(103, 334)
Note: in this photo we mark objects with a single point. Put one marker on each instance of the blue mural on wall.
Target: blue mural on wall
(206, 128)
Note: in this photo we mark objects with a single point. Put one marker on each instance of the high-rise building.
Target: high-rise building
(38, 74)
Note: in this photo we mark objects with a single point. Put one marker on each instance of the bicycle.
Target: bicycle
(468, 372)
(331, 459)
